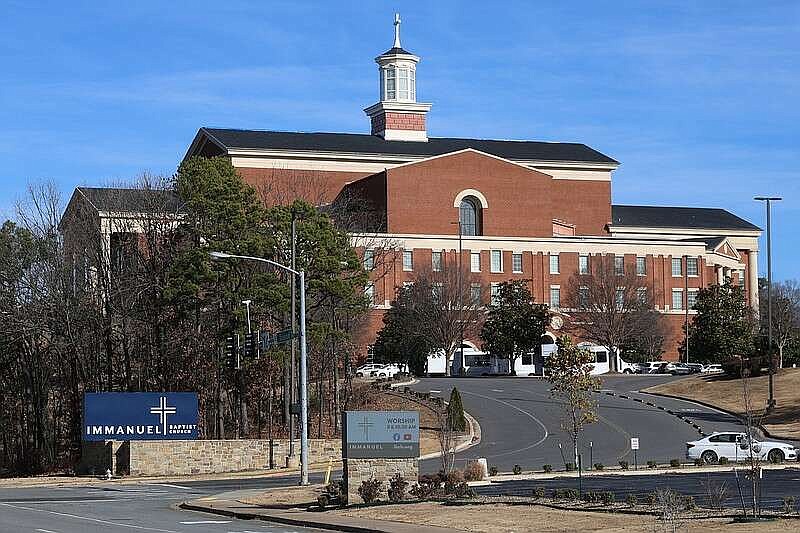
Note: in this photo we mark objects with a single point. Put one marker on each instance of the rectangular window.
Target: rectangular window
(583, 264)
(475, 261)
(677, 267)
(619, 299)
(691, 298)
(369, 259)
(497, 261)
(475, 293)
(495, 292)
(554, 264)
(641, 295)
(741, 279)
(402, 84)
(516, 263)
(369, 292)
(691, 266)
(677, 299)
(408, 260)
(619, 265)
(390, 84)
(436, 261)
(555, 297)
(583, 298)
(641, 266)
(526, 359)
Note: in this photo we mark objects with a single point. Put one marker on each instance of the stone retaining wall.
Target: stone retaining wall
(358, 470)
(187, 457)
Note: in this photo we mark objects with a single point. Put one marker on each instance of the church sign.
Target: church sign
(139, 416)
(381, 434)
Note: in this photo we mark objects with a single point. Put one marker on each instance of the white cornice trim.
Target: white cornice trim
(678, 230)
(471, 192)
(416, 108)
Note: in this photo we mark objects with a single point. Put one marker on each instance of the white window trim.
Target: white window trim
(521, 263)
(581, 256)
(492, 270)
(471, 254)
(441, 260)
(645, 265)
(697, 262)
(672, 299)
(558, 260)
(411, 269)
(550, 296)
(672, 270)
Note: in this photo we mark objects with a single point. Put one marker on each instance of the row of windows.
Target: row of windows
(496, 263)
(476, 295)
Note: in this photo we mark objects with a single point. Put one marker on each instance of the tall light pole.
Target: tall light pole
(303, 354)
(768, 201)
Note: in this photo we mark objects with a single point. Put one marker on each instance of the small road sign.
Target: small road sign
(634, 443)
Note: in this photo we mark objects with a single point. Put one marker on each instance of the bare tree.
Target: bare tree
(785, 314)
(611, 307)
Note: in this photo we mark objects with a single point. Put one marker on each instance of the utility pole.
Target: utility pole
(768, 200)
(460, 299)
(686, 311)
(292, 396)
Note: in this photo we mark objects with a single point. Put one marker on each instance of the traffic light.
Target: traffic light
(250, 345)
(232, 351)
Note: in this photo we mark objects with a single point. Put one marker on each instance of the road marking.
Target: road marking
(497, 390)
(526, 413)
(171, 486)
(198, 522)
(46, 531)
(88, 519)
(434, 391)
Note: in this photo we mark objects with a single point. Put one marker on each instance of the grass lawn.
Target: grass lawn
(502, 518)
(726, 393)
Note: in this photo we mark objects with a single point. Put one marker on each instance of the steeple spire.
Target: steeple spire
(397, 22)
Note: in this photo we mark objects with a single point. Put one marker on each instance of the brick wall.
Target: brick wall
(358, 470)
(397, 121)
(187, 457)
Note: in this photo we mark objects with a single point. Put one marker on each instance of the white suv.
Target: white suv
(366, 370)
(386, 371)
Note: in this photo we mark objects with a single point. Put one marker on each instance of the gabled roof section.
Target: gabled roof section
(719, 245)
(112, 199)
(255, 140)
(678, 217)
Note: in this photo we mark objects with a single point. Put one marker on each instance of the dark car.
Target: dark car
(681, 369)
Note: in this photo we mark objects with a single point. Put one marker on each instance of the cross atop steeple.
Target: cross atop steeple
(397, 22)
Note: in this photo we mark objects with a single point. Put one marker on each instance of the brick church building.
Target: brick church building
(528, 210)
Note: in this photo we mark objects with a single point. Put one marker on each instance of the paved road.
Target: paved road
(521, 422)
(110, 507)
(776, 484)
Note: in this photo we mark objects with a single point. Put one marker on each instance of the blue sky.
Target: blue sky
(698, 100)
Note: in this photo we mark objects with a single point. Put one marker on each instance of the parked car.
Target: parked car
(648, 367)
(712, 368)
(660, 367)
(696, 367)
(736, 447)
(681, 369)
(366, 370)
(386, 371)
(629, 368)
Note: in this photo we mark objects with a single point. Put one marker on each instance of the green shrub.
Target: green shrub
(789, 504)
(632, 500)
(569, 467)
(652, 498)
(452, 480)
(369, 490)
(455, 412)
(599, 466)
(623, 465)
(547, 468)
(427, 486)
(674, 463)
(492, 470)
(517, 470)
(462, 490)
(397, 488)
(652, 464)
(590, 496)
(607, 497)
(565, 494)
(698, 462)
(723, 460)
(538, 492)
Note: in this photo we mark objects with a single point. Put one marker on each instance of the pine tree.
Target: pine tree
(455, 412)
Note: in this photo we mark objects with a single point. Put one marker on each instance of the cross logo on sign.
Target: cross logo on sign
(365, 424)
(162, 410)
(634, 443)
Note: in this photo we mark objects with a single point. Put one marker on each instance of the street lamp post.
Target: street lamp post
(303, 355)
(460, 300)
(768, 201)
(247, 306)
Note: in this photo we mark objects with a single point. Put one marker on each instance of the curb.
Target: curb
(721, 410)
(679, 416)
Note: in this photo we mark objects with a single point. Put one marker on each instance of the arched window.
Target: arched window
(469, 214)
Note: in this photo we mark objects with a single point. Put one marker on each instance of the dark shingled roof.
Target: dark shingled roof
(395, 51)
(372, 144)
(677, 217)
(132, 200)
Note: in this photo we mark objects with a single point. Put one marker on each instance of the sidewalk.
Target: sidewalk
(228, 504)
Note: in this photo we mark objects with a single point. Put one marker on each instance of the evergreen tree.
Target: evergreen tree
(724, 326)
(456, 420)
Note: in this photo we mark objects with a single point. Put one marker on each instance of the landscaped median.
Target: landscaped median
(726, 393)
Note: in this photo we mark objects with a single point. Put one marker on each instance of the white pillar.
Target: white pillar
(720, 275)
(752, 272)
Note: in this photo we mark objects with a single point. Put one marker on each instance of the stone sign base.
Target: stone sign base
(187, 457)
(358, 470)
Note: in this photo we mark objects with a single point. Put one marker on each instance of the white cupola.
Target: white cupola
(397, 116)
